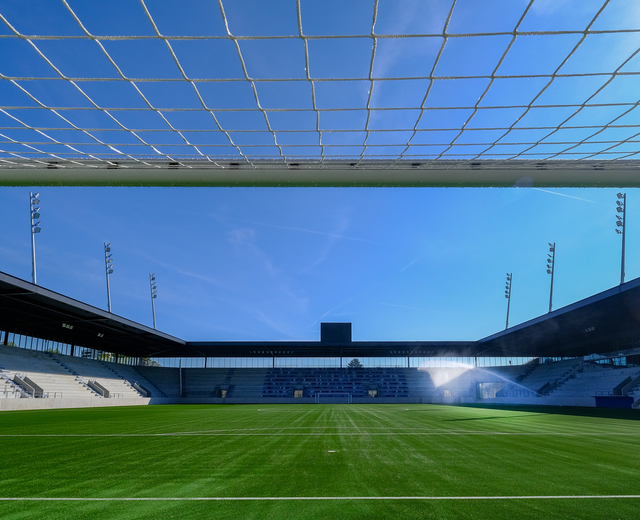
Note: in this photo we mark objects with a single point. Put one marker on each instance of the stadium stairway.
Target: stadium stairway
(54, 379)
(595, 380)
(204, 382)
(131, 374)
(164, 379)
(546, 377)
(247, 383)
(92, 370)
(8, 388)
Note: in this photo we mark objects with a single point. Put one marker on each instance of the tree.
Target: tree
(355, 363)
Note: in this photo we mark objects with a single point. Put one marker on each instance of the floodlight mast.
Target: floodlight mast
(507, 295)
(154, 295)
(34, 213)
(551, 267)
(621, 222)
(108, 266)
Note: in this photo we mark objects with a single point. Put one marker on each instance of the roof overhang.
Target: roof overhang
(32, 310)
(606, 322)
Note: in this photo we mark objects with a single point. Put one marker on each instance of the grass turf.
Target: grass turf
(198, 451)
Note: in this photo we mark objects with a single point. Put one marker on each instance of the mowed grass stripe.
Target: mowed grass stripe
(167, 454)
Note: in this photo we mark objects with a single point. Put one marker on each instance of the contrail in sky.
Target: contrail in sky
(563, 195)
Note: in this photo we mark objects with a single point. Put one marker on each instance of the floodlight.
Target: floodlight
(620, 195)
(154, 295)
(36, 224)
(110, 271)
(36, 230)
(618, 231)
(619, 223)
(548, 271)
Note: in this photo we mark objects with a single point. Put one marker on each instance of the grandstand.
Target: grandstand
(586, 354)
(439, 93)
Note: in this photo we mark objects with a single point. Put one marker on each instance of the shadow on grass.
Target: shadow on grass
(482, 418)
(606, 413)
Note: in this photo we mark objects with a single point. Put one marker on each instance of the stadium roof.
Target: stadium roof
(320, 92)
(603, 323)
(32, 310)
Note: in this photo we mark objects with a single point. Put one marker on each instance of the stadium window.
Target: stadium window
(298, 394)
(373, 393)
(447, 393)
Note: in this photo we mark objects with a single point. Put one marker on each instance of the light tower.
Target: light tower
(154, 295)
(621, 222)
(34, 213)
(108, 266)
(507, 295)
(551, 265)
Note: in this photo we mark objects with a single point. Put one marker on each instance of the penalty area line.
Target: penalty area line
(228, 499)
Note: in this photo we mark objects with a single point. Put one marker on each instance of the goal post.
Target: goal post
(333, 395)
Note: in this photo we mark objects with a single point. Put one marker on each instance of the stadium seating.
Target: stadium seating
(597, 380)
(27, 373)
(131, 374)
(39, 367)
(91, 370)
(167, 380)
(334, 382)
(547, 377)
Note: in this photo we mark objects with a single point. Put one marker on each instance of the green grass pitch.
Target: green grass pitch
(320, 461)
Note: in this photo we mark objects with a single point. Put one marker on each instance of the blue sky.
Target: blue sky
(206, 84)
(271, 264)
(250, 80)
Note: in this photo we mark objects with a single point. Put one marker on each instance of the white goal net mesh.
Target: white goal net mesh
(318, 83)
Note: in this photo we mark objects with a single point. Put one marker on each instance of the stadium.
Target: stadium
(103, 416)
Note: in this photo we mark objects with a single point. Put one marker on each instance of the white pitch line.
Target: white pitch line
(176, 499)
(318, 434)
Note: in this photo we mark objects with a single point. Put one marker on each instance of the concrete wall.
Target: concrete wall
(80, 402)
(46, 404)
